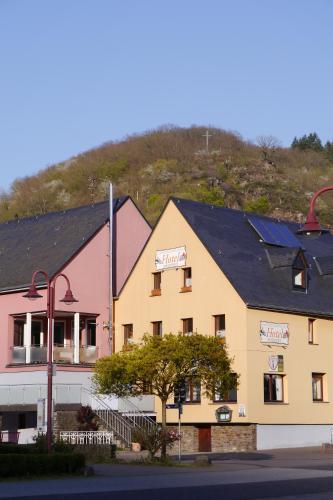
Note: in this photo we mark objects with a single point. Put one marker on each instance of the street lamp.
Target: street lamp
(312, 227)
(68, 299)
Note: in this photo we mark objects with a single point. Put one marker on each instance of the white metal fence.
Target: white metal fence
(87, 437)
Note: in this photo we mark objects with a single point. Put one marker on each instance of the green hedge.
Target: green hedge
(6, 448)
(12, 465)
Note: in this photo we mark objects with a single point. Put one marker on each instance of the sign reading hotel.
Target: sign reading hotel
(170, 258)
(274, 333)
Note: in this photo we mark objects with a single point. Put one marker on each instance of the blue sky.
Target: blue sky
(77, 73)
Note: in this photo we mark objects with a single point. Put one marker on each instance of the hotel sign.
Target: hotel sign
(274, 333)
(170, 258)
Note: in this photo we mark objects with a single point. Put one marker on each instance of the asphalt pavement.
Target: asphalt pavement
(305, 473)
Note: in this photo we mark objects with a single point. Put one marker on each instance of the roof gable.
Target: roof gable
(261, 282)
(47, 241)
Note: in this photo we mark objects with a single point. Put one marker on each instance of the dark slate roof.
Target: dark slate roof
(242, 256)
(47, 242)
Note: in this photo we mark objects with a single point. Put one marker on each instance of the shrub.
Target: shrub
(87, 419)
(13, 465)
(58, 445)
(153, 439)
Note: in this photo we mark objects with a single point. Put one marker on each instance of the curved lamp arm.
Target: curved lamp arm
(311, 224)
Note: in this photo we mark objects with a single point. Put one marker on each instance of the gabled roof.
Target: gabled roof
(242, 256)
(47, 241)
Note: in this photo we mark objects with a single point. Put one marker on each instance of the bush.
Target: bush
(153, 439)
(87, 419)
(12, 448)
(13, 465)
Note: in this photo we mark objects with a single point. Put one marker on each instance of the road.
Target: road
(305, 474)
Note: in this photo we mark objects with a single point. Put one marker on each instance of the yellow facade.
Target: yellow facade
(213, 294)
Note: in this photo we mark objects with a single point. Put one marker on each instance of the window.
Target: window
(59, 333)
(311, 331)
(91, 332)
(128, 334)
(187, 280)
(157, 328)
(299, 272)
(317, 386)
(219, 327)
(299, 279)
(193, 391)
(22, 421)
(273, 388)
(187, 326)
(157, 279)
(36, 328)
(18, 333)
(228, 396)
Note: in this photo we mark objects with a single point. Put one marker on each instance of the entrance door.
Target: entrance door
(205, 438)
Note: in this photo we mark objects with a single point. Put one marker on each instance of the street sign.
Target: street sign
(171, 406)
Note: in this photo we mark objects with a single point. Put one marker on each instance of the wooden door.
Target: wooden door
(205, 438)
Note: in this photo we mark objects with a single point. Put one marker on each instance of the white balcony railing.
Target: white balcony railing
(61, 354)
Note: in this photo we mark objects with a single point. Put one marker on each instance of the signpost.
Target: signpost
(180, 398)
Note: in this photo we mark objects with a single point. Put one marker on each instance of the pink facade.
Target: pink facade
(84, 322)
(132, 232)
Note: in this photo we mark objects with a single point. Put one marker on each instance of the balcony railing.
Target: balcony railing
(18, 355)
(61, 354)
(88, 354)
(38, 354)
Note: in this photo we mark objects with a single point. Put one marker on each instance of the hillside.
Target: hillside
(168, 161)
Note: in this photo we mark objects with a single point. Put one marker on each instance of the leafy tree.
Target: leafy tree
(328, 149)
(305, 142)
(158, 364)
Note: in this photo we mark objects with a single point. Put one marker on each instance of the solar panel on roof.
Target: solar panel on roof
(274, 233)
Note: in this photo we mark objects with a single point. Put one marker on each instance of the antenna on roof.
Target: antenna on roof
(110, 267)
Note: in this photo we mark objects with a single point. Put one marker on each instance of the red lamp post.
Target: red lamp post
(68, 299)
(312, 226)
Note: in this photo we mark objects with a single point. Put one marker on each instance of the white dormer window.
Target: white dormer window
(299, 279)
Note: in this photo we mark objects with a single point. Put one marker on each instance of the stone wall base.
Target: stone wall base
(224, 437)
(242, 437)
(65, 420)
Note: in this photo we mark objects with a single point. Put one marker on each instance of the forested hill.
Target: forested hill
(261, 177)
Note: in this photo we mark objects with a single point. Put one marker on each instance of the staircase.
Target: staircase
(121, 422)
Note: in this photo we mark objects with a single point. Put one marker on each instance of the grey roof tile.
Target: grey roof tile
(238, 251)
(47, 241)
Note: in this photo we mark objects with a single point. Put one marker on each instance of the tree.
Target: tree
(268, 144)
(311, 141)
(328, 149)
(158, 364)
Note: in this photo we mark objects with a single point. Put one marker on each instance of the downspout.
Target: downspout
(110, 267)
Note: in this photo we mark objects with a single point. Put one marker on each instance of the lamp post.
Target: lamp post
(68, 299)
(312, 226)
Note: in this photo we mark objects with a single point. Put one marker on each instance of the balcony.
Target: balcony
(63, 354)
(21, 355)
(88, 354)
